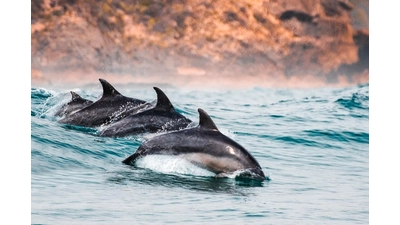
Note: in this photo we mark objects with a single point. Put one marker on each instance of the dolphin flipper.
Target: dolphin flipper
(131, 159)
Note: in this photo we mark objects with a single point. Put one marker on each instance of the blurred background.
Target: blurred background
(200, 43)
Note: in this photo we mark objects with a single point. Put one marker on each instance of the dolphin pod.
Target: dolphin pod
(204, 145)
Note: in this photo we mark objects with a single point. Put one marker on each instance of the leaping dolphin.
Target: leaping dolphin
(204, 146)
(162, 117)
(111, 106)
(76, 103)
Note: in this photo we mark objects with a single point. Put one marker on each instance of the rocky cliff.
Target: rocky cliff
(269, 39)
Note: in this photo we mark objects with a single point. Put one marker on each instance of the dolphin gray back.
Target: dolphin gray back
(162, 117)
(111, 104)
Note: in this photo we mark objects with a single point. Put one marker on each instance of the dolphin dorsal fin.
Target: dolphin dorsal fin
(162, 100)
(75, 96)
(108, 89)
(206, 121)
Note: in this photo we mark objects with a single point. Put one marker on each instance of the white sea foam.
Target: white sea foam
(171, 165)
(54, 103)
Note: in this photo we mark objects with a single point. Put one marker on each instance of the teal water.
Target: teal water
(312, 143)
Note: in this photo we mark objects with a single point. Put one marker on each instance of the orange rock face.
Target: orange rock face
(271, 40)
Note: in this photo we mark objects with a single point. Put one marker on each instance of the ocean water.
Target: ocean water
(312, 143)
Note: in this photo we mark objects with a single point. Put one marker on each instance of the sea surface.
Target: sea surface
(313, 144)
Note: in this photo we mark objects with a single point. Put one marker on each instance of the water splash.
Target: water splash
(171, 165)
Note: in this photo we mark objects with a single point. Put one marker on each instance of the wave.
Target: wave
(340, 136)
(356, 100)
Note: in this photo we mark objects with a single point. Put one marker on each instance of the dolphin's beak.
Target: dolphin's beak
(253, 173)
(258, 174)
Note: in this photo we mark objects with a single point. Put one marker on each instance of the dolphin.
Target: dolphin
(111, 106)
(161, 117)
(204, 146)
(76, 103)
